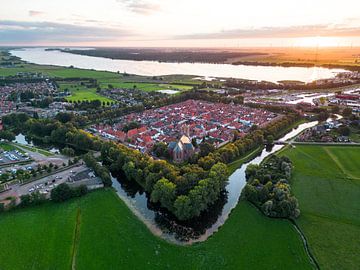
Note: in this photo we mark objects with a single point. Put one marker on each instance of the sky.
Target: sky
(180, 23)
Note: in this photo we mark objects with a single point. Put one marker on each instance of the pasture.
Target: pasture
(326, 181)
(98, 231)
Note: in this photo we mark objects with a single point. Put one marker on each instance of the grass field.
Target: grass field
(148, 87)
(326, 182)
(9, 147)
(103, 234)
(33, 149)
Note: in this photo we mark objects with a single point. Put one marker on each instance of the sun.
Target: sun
(316, 42)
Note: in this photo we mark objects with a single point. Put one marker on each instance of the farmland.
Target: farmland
(109, 235)
(326, 182)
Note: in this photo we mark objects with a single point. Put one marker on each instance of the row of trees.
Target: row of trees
(268, 187)
(99, 170)
(64, 192)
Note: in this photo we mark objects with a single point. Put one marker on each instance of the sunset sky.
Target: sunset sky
(185, 23)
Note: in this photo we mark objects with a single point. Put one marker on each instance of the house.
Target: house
(132, 133)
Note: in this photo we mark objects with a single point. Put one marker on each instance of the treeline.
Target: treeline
(268, 187)
(296, 85)
(49, 131)
(185, 191)
(100, 171)
(174, 56)
(14, 79)
(64, 192)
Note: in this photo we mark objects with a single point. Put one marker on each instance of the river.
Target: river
(163, 225)
(153, 68)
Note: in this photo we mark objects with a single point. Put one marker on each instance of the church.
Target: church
(183, 149)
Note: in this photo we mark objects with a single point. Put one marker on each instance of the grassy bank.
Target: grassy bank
(326, 181)
(33, 149)
(110, 236)
(233, 166)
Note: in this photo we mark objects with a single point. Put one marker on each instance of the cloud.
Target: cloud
(279, 32)
(140, 6)
(34, 13)
(16, 32)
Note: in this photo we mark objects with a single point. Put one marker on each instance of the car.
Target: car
(31, 189)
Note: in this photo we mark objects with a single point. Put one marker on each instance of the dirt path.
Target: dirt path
(341, 167)
(76, 239)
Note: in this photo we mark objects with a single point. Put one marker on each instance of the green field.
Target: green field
(144, 86)
(82, 93)
(33, 149)
(9, 147)
(103, 234)
(326, 182)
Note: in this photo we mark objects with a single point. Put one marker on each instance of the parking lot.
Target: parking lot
(8, 157)
(44, 185)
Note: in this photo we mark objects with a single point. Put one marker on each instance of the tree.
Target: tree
(164, 192)
(160, 150)
(207, 162)
(347, 112)
(335, 109)
(344, 130)
(323, 116)
(206, 148)
(182, 207)
(61, 193)
(68, 151)
(64, 117)
(270, 139)
(7, 135)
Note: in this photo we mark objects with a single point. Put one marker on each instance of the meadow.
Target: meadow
(98, 231)
(326, 181)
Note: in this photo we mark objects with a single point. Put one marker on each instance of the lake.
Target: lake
(152, 68)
